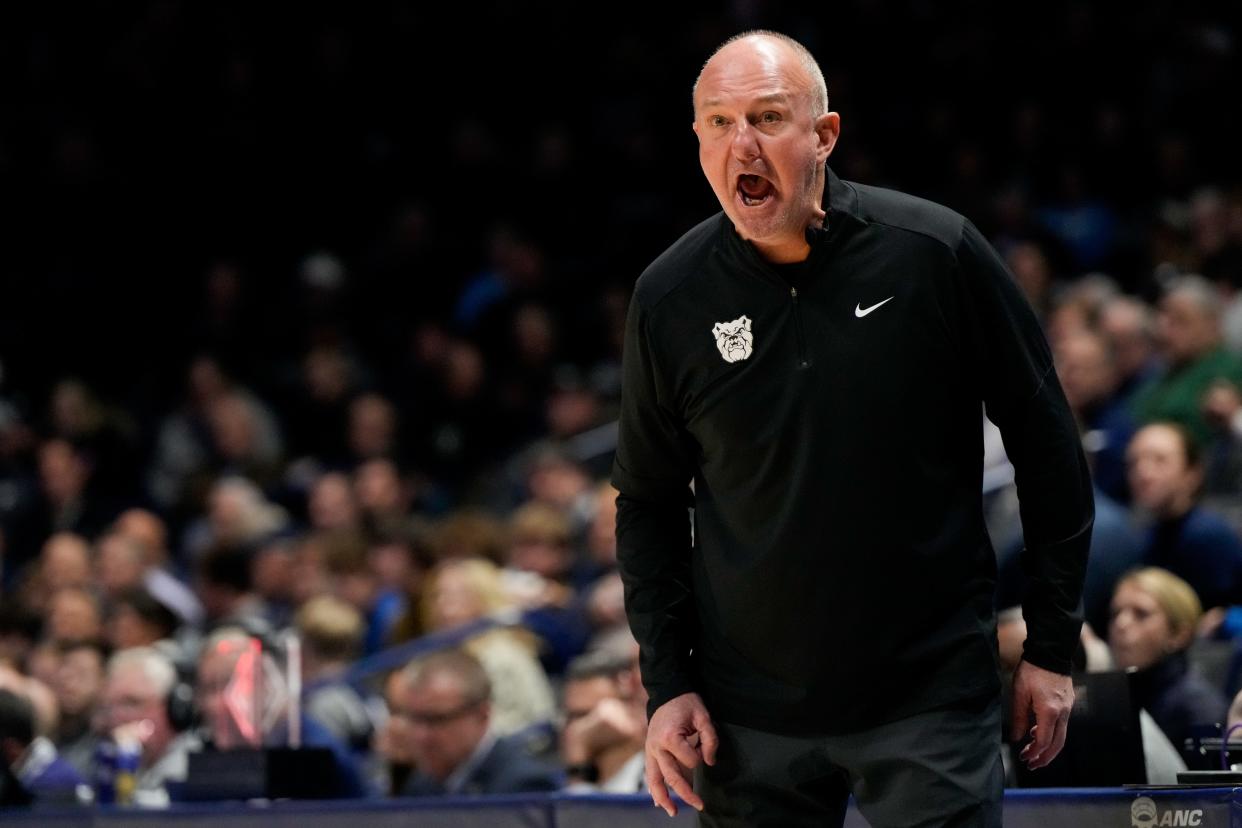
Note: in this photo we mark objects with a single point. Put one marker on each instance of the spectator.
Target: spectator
(382, 495)
(539, 544)
(539, 576)
(65, 562)
(78, 685)
(1155, 614)
(1188, 330)
(347, 562)
(244, 437)
(227, 592)
(445, 699)
(605, 731)
(33, 758)
(1088, 375)
(1129, 327)
(178, 478)
(1166, 473)
(137, 619)
(64, 502)
(148, 533)
(372, 427)
(461, 591)
(272, 577)
(239, 516)
(321, 402)
(73, 615)
(1222, 408)
(147, 529)
(120, 564)
(331, 631)
(142, 689)
(469, 533)
(105, 433)
(332, 505)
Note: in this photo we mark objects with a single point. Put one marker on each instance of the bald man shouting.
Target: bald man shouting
(799, 525)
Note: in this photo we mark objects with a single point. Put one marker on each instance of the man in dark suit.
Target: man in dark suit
(443, 705)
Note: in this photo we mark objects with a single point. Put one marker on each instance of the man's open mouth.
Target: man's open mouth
(754, 189)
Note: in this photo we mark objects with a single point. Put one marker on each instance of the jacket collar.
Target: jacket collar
(840, 198)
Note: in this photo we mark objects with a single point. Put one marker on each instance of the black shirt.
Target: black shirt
(835, 571)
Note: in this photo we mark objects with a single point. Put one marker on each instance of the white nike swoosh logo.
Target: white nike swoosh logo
(860, 312)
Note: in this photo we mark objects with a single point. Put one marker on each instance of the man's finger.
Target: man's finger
(681, 750)
(1029, 747)
(708, 741)
(1044, 731)
(655, 785)
(676, 778)
(1058, 741)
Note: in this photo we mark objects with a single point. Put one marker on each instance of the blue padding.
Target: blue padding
(1063, 808)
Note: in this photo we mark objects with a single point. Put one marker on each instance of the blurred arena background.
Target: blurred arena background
(311, 317)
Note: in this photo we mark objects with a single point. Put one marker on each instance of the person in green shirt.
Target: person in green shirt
(1189, 334)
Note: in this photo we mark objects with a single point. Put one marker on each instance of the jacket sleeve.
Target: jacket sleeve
(652, 471)
(1023, 397)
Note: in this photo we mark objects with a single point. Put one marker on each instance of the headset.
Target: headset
(180, 708)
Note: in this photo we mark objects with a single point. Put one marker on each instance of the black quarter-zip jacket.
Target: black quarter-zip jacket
(835, 572)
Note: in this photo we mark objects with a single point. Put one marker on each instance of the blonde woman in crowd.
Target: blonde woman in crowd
(459, 591)
(1154, 617)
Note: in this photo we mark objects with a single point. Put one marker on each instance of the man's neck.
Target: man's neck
(793, 249)
(783, 253)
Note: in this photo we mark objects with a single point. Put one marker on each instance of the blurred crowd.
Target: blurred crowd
(353, 387)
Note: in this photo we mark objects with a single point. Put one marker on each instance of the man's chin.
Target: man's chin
(755, 228)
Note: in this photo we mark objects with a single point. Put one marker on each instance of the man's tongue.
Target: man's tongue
(754, 188)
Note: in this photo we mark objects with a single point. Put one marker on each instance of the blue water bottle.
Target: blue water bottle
(125, 780)
(105, 772)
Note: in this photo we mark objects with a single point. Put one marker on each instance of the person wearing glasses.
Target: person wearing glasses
(441, 711)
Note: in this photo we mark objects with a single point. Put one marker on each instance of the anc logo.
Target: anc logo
(1145, 814)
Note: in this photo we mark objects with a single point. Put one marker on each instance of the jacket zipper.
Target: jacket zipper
(797, 314)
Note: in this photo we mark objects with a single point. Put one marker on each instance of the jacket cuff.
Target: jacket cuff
(666, 692)
(1042, 657)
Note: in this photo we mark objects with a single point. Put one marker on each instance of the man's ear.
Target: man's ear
(695, 126)
(828, 128)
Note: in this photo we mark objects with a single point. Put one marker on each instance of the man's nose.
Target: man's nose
(745, 141)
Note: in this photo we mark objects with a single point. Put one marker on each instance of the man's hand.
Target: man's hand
(1050, 697)
(680, 734)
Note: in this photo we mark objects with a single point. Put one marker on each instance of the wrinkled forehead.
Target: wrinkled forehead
(751, 68)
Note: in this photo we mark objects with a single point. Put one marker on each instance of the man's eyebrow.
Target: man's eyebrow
(772, 97)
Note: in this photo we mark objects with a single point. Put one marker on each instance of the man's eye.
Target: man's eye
(770, 117)
(716, 120)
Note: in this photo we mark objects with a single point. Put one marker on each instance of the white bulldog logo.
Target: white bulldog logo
(733, 339)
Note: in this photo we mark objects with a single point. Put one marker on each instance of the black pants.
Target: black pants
(938, 768)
